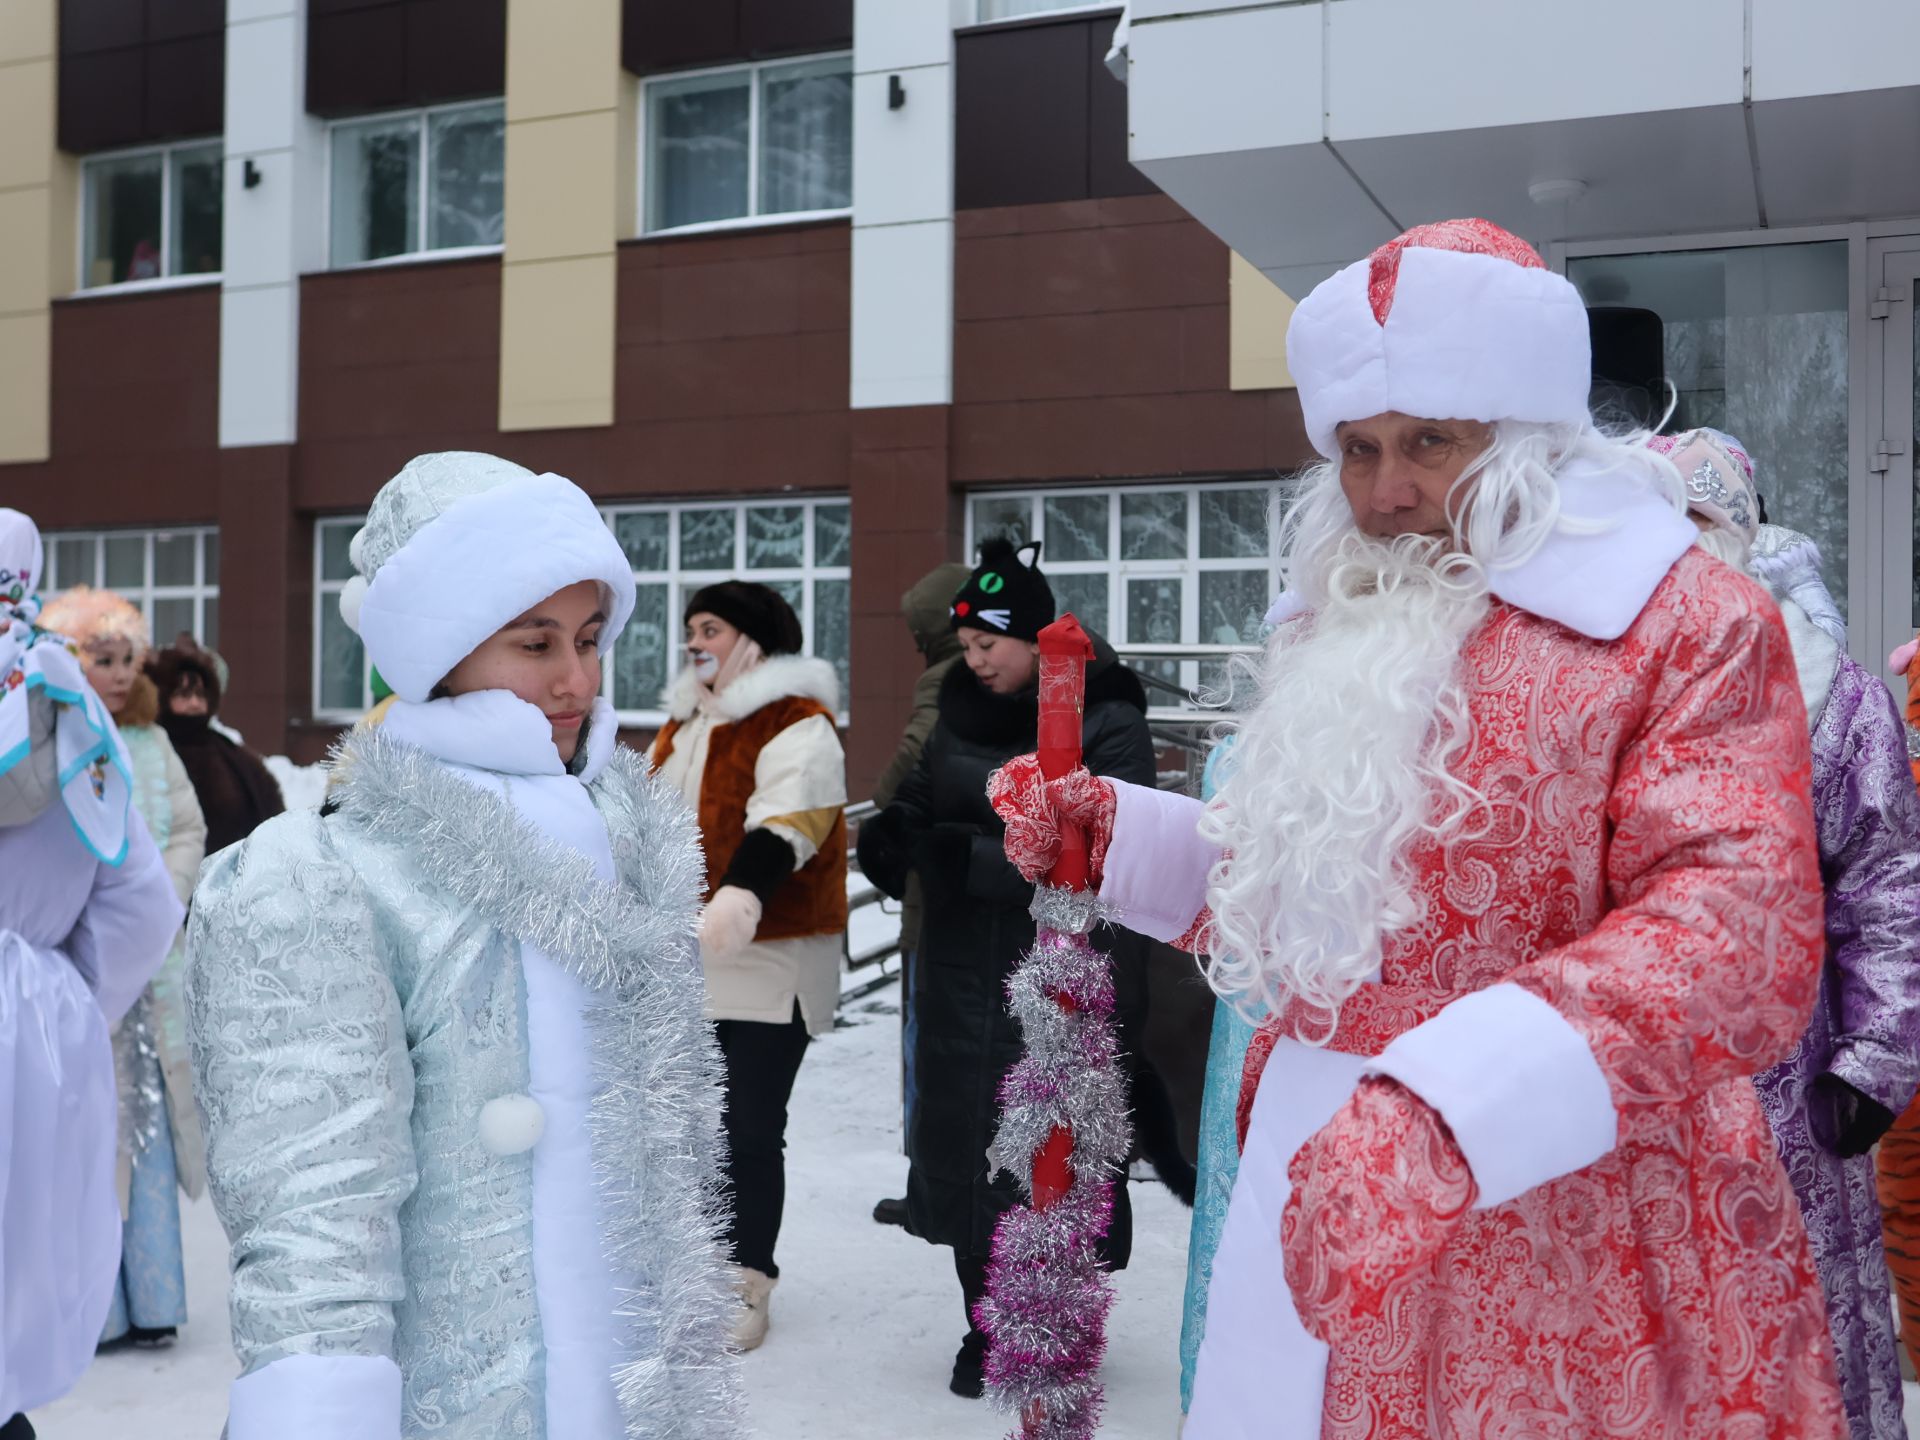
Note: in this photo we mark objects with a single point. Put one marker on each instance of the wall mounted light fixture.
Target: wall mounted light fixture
(896, 93)
(250, 175)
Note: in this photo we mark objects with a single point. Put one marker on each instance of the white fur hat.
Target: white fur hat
(459, 543)
(1458, 320)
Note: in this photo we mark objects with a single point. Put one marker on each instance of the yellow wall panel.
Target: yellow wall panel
(563, 57)
(556, 344)
(26, 122)
(25, 344)
(562, 186)
(26, 233)
(28, 30)
(1259, 312)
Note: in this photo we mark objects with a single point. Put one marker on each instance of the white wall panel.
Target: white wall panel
(1243, 81)
(903, 159)
(259, 377)
(896, 34)
(1824, 47)
(903, 315)
(1402, 67)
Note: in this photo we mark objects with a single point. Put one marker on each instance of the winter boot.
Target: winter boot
(969, 1367)
(891, 1212)
(755, 1291)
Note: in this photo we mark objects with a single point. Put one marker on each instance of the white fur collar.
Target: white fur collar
(495, 730)
(1596, 575)
(770, 680)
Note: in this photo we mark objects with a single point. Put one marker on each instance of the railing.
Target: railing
(871, 943)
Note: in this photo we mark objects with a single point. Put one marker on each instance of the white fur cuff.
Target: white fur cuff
(1516, 1084)
(1155, 881)
(317, 1397)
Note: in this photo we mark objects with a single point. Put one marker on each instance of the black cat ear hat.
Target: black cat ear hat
(1006, 594)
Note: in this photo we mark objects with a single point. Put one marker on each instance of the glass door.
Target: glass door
(1892, 518)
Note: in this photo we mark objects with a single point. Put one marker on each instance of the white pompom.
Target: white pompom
(512, 1124)
(352, 594)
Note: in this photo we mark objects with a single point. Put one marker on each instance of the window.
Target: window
(1150, 565)
(172, 575)
(756, 140)
(148, 214)
(420, 181)
(1755, 342)
(801, 548)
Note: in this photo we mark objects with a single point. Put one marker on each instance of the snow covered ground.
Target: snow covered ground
(865, 1321)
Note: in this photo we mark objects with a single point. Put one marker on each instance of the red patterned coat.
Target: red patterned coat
(1651, 875)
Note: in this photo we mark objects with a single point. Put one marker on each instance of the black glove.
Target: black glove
(1842, 1119)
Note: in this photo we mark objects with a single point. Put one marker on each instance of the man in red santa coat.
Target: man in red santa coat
(1518, 850)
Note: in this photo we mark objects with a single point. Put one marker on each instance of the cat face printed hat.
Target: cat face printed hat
(1006, 594)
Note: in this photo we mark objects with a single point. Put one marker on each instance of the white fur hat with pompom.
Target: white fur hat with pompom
(458, 544)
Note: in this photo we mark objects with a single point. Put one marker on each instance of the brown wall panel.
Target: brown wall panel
(387, 54)
(135, 414)
(1038, 117)
(1090, 342)
(265, 592)
(136, 72)
(677, 34)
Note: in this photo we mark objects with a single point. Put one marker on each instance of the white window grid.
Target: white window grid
(1190, 676)
(679, 583)
(423, 196)
(92, 164)
(89, 549)
(754, 217)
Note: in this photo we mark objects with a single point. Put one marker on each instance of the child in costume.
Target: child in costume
(86, 916)
(161, 1148)
(463, 1111)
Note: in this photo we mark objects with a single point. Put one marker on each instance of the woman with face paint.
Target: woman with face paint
(752, 745)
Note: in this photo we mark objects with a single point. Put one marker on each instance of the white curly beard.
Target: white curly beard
(1340, 768)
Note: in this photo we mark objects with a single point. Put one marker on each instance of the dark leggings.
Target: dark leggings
(16, 1429)
(762, 1061)
(972, 1270)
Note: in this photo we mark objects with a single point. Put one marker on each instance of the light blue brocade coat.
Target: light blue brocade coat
(356, 998)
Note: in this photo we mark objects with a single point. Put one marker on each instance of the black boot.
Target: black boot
(969, 1367)
(891, 1212)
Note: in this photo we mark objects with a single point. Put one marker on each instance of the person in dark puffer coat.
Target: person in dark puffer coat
(975, 923)
(235, 789)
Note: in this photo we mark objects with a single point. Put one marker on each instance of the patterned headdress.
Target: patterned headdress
(1719, 478)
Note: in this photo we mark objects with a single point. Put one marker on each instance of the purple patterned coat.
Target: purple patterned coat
(1866, 1025)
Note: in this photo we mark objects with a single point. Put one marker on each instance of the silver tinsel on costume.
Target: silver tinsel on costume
(655, 1056)
(136, 1071)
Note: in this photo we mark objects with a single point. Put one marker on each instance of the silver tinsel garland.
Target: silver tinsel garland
(1047, 1292)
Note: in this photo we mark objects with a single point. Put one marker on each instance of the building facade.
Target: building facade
(1745, 172)
(809, 291)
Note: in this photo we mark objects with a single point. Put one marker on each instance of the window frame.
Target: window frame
(754, 219)
(1118, 571)
(678, 580)
(164, 280)
(144, 595)
(422, 116)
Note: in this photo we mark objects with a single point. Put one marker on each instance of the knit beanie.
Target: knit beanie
(1006, 594)
(458, 544)
(757, 611)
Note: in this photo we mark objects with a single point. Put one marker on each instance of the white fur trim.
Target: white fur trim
(486, 559)
(1468, 337)
(317, 1397)
(511, 1124)
(1516, 1084)
(1155, 880)
(1616, 541)
(353, 595)
(779, 678)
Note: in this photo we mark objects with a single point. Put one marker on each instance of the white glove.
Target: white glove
(729, 923)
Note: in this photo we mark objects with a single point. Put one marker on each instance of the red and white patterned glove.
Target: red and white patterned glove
(1377, 1194)
(1034, 808)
